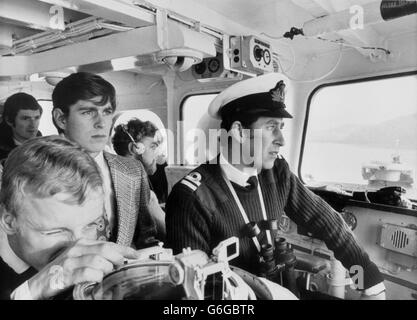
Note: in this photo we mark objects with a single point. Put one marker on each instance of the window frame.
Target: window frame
(181, 119)
(332, 84)
(43, 113)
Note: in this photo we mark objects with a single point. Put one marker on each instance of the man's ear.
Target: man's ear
(59, 118)
(8, 221)
(237, 132)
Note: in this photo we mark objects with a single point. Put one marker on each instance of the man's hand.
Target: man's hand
(376, 292)
(85, 261)
(379, 296)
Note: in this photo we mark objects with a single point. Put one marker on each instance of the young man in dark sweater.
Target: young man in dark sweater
(53, 228)
(219, 199)
(21, 117)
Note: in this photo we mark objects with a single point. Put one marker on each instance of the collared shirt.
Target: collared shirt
(17, 143)
(18, 265)
(235, 175)
(109, 201)
(8, 255)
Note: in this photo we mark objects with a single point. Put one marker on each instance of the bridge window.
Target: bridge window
(46, 126)
(194, 116)
(363, 135)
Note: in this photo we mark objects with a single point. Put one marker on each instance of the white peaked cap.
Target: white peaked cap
(252, 93)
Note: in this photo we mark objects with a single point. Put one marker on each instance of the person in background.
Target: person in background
(21, 116)
(141, 140)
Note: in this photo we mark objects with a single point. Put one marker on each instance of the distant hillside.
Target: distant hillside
(383, 135)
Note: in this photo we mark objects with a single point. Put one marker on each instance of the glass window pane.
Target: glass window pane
(363, 135)
(193, 109)
(46, 126)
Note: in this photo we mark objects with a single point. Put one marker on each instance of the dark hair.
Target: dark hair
(82, 86)
(137, 129)
(19, 101)
(46, 166)
(246, 119)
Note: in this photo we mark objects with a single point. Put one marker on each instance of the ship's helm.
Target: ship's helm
(190, 275)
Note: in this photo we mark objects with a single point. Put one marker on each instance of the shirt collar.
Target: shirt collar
(17, 142)
(100, 159)
(8, 255)
(235, 175)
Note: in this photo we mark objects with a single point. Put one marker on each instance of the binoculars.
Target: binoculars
(276, 260)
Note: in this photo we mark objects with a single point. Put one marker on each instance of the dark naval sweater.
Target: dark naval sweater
(203, 213)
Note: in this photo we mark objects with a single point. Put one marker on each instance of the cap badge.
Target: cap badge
(278, 92)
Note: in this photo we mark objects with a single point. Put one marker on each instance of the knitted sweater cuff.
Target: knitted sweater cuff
(370, 277)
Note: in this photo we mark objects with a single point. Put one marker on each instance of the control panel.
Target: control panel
(208, 68)
(389, 238)
(247, 54)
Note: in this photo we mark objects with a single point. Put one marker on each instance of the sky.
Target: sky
(369, 102)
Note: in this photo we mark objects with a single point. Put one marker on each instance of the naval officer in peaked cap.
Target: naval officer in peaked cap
(239, 195)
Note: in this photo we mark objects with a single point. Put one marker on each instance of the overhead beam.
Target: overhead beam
(114, 10)
(137, 42)
(33, 14)
(6, 37)
(204, 15)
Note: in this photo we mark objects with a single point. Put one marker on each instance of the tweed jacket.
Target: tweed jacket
(135, 225)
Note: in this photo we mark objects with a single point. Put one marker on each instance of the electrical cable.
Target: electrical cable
(341, 41)
(114, 27)
(272, 37)
(49, 39)
(74, 31)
